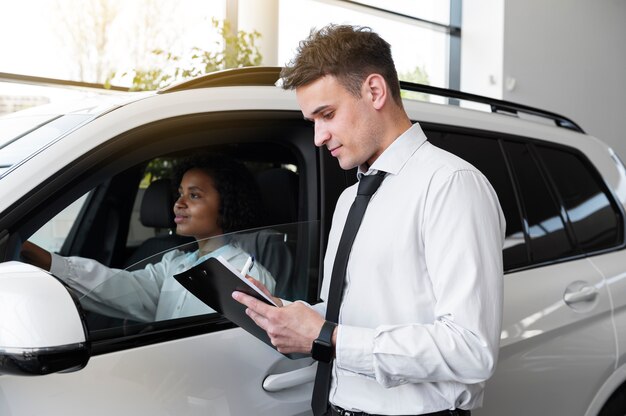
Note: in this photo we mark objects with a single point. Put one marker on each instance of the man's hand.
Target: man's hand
(292, 328)
(263, 289)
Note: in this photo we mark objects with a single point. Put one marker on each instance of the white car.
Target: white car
(74, 181)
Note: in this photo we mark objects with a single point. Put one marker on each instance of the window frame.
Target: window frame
(452, 30)
(597, 177)
(133, 147)
(556, 201)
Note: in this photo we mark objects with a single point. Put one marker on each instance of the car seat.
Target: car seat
(275, 246)
(279, 194)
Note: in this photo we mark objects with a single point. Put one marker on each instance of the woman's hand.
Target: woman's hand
(35, 255)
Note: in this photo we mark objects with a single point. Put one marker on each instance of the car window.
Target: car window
(531, 190)
(277, 182)
(596, 221)
(548, 236)
(118, 249)
(486, 155)
(107, 225)
(147, 292)
(53, 234)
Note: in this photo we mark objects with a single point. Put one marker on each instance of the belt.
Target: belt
(338, 411)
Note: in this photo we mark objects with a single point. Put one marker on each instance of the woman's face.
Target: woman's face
(197, 206)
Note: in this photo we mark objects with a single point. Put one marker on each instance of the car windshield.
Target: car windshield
(27, 132)
(23, 136)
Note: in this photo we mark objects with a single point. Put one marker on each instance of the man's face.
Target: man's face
(345, 124)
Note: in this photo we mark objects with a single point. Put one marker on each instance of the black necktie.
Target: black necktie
(367, 186)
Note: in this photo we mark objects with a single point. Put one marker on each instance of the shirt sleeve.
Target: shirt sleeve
(114, 292)
(463, 232)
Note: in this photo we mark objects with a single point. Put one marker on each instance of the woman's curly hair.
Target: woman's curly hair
(240, 199)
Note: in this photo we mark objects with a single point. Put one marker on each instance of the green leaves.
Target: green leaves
(232, 50)
(417, 75)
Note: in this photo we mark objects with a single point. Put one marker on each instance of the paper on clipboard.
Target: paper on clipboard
(246, 281)
(213, 281)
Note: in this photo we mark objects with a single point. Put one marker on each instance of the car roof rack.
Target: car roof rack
(267, 76)
(252, 75)
(497, 106)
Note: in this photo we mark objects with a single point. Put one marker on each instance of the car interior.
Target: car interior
(274, 243)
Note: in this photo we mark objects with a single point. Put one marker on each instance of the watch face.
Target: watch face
(322, 351)
(322, 348)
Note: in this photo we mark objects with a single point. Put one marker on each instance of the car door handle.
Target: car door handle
(580, 293)
(277, 382)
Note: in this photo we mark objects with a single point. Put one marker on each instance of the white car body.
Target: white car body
(563, 333)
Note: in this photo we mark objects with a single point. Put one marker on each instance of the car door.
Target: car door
(192, 365)
(557, 340)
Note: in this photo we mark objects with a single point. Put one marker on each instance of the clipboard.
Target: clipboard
(213, 281)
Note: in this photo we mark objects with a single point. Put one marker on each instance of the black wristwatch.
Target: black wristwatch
(322, 349)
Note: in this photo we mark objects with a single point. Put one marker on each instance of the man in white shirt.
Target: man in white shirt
(419, 321)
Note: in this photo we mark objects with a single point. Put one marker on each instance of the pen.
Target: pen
(247, 266)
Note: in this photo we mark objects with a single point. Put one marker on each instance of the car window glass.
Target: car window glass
(278, 185)
(147, 292)
(485, 154)
(53, 234)
(595, 220)
(546, 229)
(124, 254)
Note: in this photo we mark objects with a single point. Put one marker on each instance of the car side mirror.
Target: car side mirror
(41, 330)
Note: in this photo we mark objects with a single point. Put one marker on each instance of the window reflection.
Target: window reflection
(595, 221)
(284, 255)
(546, 229)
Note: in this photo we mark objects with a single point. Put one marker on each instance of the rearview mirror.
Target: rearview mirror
(41, 330)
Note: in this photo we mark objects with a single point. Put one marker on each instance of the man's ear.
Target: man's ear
(376, 90)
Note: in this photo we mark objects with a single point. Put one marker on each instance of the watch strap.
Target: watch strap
(326, 333)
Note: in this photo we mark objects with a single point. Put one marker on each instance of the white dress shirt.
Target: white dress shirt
(419, 324)
(150, 294)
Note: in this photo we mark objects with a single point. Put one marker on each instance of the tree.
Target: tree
(86, 27)
(153, 26)
(231, 51)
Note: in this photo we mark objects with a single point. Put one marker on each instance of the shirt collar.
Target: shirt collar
(394, 157)
(220, 251)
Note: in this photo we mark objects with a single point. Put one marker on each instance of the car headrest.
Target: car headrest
(279, 193)
(157, 205)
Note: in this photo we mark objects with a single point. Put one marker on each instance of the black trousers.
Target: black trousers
(338, 411)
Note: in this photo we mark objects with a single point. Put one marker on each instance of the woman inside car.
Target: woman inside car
(216, 196)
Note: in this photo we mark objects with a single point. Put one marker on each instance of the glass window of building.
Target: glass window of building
(419, 32)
